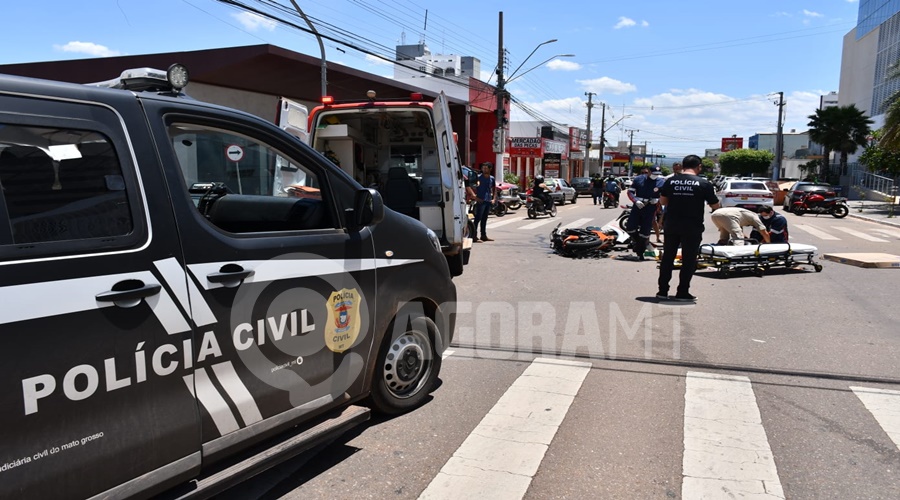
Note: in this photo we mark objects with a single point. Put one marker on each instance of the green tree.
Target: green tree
(880, 159)
(840, 128)
(745, 161)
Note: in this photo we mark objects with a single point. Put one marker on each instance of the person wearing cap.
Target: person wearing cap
(644, 193)
(776, 224)
(486, 196)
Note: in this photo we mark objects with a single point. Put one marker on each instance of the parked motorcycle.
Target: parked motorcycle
(511, 202)
(815, 203)
(498, 208)
(535, 207)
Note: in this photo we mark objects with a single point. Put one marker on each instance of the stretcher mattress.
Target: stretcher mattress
(749, 251)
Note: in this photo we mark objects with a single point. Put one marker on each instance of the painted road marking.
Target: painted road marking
(498, 223)
(447, 354)
(890, 233)
(538, 223)
(503, 453)
(726, 452)
(859, 234)
(884, 405)
(577, 223)
(816, 232)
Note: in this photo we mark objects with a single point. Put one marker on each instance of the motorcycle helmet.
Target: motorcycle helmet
(539, 178)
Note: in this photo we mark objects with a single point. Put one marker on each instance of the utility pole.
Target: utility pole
(631, 152)
(645, 152)
(587, 152)
(500, 133)
(779, 139)
(312, 28)
(602, 134)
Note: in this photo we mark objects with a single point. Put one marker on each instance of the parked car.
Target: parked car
(795, 192)
(583, 186)
(625, 181)
(745, 194)
(560, 190)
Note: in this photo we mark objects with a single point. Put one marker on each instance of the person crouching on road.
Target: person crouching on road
(731, 222)
(644, 194)
(775, 223)
(486, 194)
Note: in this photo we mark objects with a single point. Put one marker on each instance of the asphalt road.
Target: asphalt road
(778, 386)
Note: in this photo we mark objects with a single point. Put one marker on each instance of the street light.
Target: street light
(529, 56)
(508, 80)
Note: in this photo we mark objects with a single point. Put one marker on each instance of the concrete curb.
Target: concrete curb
(878, 221)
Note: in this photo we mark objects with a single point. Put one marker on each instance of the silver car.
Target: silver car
(560, 190)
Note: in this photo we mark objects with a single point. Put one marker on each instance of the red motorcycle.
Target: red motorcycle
(816, 203)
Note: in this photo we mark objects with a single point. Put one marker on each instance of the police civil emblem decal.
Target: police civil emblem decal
(343, 320)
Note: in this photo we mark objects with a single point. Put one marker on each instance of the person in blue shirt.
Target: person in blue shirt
(644, 194)
(612, 186)
(775, 223)
(486, 195)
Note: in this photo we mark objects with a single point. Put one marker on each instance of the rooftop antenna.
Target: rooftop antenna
(402, 38)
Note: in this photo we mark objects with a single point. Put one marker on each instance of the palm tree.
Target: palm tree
(840, 128)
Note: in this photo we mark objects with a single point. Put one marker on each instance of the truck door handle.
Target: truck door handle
(229, 275)
(128, 293)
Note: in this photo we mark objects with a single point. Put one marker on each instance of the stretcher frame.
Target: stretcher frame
(761, 260)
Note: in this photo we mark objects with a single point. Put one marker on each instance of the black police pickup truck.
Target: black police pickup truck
(180, 282)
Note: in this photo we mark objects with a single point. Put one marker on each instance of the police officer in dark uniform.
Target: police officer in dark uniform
(644, 194)
(684, 195)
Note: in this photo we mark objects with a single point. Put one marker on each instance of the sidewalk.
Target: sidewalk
(874, 211)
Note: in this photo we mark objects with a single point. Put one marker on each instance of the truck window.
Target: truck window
(60, 184)
(242, 185)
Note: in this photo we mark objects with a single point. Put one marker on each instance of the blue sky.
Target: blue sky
(683, 74)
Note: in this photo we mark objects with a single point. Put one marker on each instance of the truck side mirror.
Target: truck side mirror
(368, 209)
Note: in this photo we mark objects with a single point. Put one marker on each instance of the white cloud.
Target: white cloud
(624, 22)
(645, 24)
(809, 13)
(375, 60)
(559, 64)
(607, 85)
(91, 49)
(782, 14)
(254, 22)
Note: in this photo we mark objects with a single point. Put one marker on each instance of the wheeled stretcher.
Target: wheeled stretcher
(757, 258)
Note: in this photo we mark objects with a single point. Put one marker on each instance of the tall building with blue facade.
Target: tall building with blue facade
(870, 51)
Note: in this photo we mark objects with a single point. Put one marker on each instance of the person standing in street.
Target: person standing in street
(486, 196)
(731, 221)
(597, 188)
(684, 196)
(644, 194)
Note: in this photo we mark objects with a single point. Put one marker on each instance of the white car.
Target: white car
(745, 194)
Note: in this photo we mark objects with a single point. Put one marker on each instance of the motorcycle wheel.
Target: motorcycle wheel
(583, 243)
(531, 213)
(552, 210)
(840, 211)
(623, 221)
(501, 210)
(799, 211)
(515, 205)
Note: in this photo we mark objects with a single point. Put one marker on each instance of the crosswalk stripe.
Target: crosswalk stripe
(884, 405)
(538, 223)
(816, 232)
(859, 234)
(447, 353)
(503, 453)
(577, 223)
(726, 452)
(498, 223)
(887, 232)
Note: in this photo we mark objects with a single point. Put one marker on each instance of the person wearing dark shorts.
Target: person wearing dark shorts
(684, 196)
